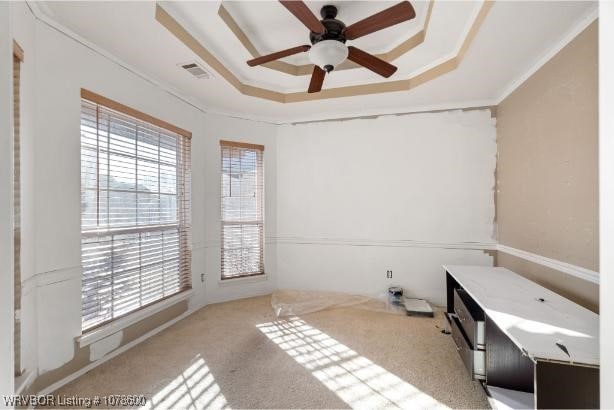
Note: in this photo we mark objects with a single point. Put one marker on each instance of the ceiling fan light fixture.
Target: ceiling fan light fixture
(328, 37)
(327, 54)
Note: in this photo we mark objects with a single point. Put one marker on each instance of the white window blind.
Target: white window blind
(135, 213)
(242, 209)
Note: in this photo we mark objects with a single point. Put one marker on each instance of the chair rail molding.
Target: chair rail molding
(560, 266)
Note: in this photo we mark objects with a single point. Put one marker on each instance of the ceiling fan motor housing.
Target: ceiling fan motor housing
(334, 28)
(329, 47)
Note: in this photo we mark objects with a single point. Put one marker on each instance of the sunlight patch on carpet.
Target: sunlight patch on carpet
(195, 388)
(355, 379)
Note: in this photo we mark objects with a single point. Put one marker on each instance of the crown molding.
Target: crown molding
(567, 38)
(40, 14)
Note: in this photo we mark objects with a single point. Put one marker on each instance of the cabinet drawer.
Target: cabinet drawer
(474, 360)
(471, 318)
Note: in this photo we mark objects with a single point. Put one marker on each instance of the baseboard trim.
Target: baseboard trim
(22, 382)
(573, 270)
(60, 383)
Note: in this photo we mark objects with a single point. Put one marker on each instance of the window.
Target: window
(135, 210)
(17, 60)
(242, 209)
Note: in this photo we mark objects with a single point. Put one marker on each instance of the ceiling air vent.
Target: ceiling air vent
(196, 70)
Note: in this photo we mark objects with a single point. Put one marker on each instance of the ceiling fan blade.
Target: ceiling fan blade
(302, 12)
(317, 79)
(371, 62)
(277, 55)
(394, 15)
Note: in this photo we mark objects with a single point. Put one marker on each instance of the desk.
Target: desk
(536, 348)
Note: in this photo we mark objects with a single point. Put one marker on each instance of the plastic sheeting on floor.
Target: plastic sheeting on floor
(300, 302)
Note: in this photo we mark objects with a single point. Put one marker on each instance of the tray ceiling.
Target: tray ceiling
(443, 39)
(468, 54)
(401, 37)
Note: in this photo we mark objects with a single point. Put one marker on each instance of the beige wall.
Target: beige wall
(576, 289)
(547, 170)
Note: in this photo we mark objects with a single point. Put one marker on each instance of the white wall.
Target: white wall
(606, 220)
(407, 193)
(55, 70)
(6, 220)
(64, 66)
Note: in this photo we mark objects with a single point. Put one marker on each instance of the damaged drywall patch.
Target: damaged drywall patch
(412, 179)
(83, 356)
(59, 317)
(436, 156)
(100, 348)
(493, 254)
(492, 108)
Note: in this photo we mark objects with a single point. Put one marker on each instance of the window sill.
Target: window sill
(101, 332)
(243, 280)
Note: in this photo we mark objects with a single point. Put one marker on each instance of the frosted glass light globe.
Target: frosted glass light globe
(328, 54)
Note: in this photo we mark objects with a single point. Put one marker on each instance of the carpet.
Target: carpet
(239, 355)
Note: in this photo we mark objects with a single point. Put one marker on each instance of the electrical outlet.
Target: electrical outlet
(388, 274)
(202, 277)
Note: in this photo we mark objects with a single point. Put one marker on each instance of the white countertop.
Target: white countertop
(511, 301)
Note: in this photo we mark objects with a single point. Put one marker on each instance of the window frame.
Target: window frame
(98, 330)
(226, 144)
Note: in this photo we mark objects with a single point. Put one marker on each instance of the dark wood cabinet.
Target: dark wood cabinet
(528, 346)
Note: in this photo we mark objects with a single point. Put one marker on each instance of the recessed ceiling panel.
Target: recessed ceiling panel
(270, 27)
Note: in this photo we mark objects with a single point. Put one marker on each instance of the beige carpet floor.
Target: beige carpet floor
(238, 355)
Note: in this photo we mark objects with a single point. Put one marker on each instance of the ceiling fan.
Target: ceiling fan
(328, 37)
